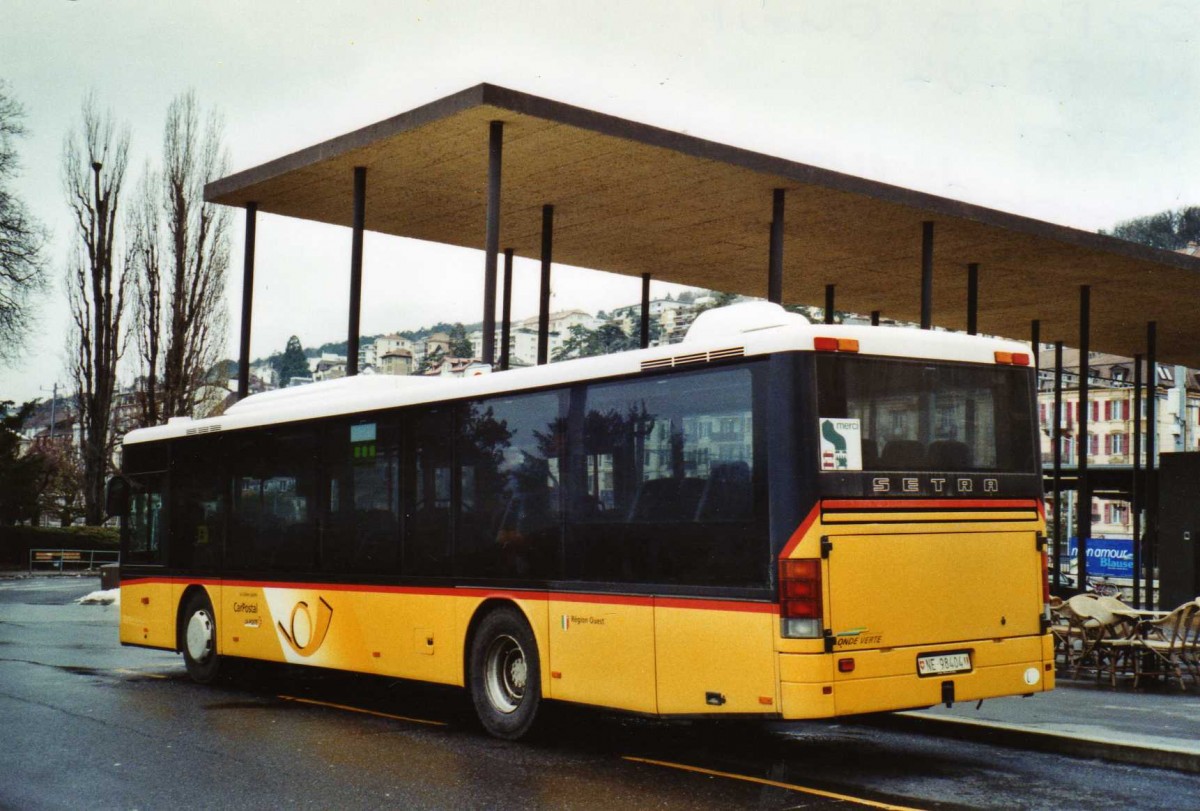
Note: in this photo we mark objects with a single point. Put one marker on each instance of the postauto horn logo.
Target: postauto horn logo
(304, 632)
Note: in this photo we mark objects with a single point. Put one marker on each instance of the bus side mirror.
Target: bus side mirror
(116, 496)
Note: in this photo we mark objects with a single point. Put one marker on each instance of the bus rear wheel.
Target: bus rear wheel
(505, 674)
(199, 632)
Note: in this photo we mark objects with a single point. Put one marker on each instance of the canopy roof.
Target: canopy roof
(630, 198)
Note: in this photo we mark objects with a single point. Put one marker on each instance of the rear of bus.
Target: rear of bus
(917, 575)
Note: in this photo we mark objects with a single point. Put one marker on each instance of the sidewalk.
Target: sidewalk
(1158, 727)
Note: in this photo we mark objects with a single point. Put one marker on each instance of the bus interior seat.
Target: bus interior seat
(903, 454)
(949, 454)
(726, 494)
(668, 499)
(378, 533)
(870, 454)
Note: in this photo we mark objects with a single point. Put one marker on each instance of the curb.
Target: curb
(1018, 737)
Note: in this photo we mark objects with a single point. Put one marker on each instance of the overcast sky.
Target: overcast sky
(1079, 113)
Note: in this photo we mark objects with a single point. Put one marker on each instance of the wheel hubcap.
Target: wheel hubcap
(505, 673)
(200, 636)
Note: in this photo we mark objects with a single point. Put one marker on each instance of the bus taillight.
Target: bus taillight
(800, 598)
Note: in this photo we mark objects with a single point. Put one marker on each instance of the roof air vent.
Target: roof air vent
(694, 357)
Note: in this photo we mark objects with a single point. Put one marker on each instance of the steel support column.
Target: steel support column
(1035, 339)
(243, 385)
(1136, 488)
(1056, 435)
(356, 251)
(927, 275)
(775, 263)
(543, 351)
(506, 314)
(492, 239)
(830, 290)
(1151, 539)
(1083, 502)
(645, 341)
(973, 298)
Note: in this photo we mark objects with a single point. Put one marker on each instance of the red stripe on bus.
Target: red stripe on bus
(607, 599)
(896, 505)
(647, 601)
(716, 605)
(799, 534)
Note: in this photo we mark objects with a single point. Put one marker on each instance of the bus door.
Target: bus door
(146, 598)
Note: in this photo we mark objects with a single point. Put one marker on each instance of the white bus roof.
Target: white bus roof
(740, 330)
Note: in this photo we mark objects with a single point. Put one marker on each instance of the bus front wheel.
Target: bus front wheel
(505, 674)
(200, 639)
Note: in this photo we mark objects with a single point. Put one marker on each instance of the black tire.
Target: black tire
(505, 675)
(198, 638)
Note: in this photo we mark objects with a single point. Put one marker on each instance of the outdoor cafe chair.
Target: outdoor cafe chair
(1159, 647)
(1190, 653)
(1064, 632)
(1109, 626)
(1092, 622)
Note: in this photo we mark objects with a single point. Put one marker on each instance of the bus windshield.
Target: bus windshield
(879, 414)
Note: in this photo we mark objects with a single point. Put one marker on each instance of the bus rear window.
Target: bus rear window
(899, 415)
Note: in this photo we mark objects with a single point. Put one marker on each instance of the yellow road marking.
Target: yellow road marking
(129, 672)
(775, 783)
(364, 712)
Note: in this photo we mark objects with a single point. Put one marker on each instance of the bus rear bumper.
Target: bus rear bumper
(887, 680)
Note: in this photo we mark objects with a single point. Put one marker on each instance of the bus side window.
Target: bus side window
(143, 530)
(274, 502)
(362, 529)
(668, 471)
(199, 500)
(428, 493)
(510, 518)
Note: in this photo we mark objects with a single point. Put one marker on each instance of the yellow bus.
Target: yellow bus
(770, 519)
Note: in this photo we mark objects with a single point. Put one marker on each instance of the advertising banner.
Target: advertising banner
(1106, 557)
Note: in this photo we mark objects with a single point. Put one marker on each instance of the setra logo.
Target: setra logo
(303, 634)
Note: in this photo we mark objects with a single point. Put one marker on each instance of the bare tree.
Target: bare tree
(181, 252)
(22, 269)
(95, 157)
(146, 252)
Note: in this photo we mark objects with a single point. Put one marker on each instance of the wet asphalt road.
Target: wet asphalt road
(88, 724)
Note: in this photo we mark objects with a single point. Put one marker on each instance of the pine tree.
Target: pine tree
(292, 363)
(460, 344)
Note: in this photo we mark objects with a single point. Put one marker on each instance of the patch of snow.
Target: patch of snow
(109, 597)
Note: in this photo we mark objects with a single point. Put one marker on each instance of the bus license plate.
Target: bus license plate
(942, 663)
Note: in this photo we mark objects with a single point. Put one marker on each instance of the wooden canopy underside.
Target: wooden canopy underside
(633, 199)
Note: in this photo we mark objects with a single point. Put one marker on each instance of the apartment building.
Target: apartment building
(1111, 417)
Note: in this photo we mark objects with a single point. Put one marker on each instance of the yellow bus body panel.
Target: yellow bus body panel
(386, 632)
(602, 652)
(715, 661)
(246, 626)
(898, 585)
(147, 617)
(890, 590)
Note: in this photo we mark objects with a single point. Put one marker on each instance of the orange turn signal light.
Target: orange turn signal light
(1013, 358)
(835, 344)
